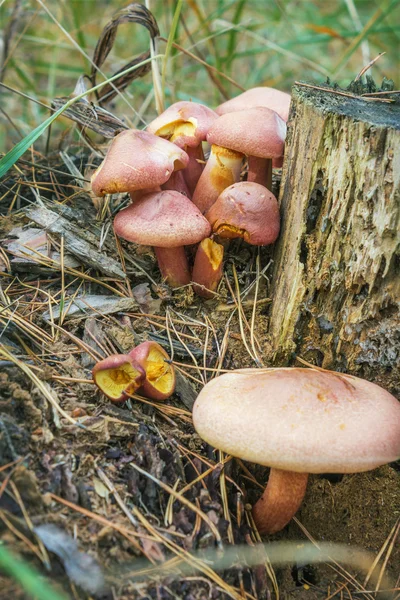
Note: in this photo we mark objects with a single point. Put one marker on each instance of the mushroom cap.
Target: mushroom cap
(258, 96)
(301, 420)
(184, 123)
(160, 381)
(118, 375)
(247, 210)
(136, 160)
(167, 219)
(256, 132)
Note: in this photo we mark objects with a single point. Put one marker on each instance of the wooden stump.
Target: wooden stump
(336, 282)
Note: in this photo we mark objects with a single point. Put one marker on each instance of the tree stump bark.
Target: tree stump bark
(336, 281)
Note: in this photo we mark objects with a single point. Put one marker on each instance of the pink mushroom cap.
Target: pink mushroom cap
(247, 210)
(258, 96)
(300, 420)
(165, 219)
(256, 132)
(137, 160)
(184, 123)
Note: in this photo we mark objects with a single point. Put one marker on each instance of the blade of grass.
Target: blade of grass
(30, 580)
(233, 34)
(376, 18)
(76, 12)
(170, 40)
(19, 149)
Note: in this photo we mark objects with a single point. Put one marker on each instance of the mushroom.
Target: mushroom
(137, 160)
(159, 382)
(297, 421)
(168, 221)
(257, 132)
(118, 375)
(259, 96)
(247, 210)
(186, 124)
(207, 268)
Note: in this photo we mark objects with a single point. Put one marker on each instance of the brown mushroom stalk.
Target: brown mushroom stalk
(280, 501)
(178, 183)
(118, 375)
(260, 171)
(193, 171)
(222, 170)
(173, 265)
(207, 268)
(159, 382)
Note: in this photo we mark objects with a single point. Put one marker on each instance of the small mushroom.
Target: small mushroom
(247, 210)
(257, 132)
(137, 160)
(186, 124)
(159, 382)
(118, 375)
(297, 421)
(168, 221)
(207, 268)
(260, 96)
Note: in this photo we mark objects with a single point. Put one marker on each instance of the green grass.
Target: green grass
(253, 41)
(28, 579)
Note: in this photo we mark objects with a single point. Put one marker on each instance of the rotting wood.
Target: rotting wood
(84, 249)
(336, 282)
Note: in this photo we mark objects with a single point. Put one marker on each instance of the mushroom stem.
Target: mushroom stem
(260, 171)
(222, 170)
(207, 268)
(195, 167)
(173, 265)
(178, 183)
(280, 501)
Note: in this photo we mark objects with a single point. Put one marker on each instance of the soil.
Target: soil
(105, 484)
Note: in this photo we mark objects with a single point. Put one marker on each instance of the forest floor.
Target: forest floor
(144, 498)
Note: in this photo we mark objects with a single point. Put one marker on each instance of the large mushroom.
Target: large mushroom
(186, 124)
(168, 221)
(137, 160)
(246, 210)
(257, 132)
(297, 421)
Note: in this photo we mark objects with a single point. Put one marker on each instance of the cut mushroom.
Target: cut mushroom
(159, 382)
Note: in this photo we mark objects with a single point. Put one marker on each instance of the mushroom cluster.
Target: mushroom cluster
(181, 199)
(147, 369)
